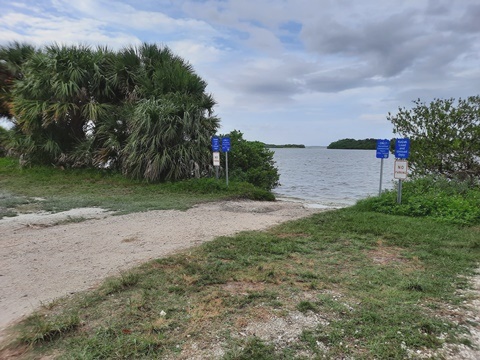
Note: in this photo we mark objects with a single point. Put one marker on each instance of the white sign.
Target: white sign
(216, 159)
(401, 169)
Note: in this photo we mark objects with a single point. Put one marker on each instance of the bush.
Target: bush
(443, 136)
(251, 161)
(452, 201)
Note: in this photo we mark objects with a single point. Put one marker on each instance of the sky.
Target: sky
(285, 71)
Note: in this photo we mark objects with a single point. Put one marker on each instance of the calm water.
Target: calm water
(331, 178)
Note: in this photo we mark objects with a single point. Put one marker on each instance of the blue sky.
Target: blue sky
(285, 71)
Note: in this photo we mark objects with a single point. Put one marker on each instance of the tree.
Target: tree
(171, 127)
(63, 89)
(12, 58)
(142, 110)
(251, 161)
(444, 136)
(365, 144)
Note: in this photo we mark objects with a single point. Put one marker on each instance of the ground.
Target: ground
(47, 256)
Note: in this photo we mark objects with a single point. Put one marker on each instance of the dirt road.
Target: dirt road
(43, 257)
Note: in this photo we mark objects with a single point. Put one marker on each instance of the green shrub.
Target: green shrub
(452, 201)
(251, 161)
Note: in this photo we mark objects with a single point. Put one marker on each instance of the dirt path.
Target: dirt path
(41, 259)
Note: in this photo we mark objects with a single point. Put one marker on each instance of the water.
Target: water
(330, 178)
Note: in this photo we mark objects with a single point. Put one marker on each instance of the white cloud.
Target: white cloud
(291, 69)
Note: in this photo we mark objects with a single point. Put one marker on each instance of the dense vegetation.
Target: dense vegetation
(451, 201)
(365, 144)
(141, 111)
(251, 161)
(444, 137)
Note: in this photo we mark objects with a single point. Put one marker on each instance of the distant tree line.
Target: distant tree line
(289, 146)
(365, 144)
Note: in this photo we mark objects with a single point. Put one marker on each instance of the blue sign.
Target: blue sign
(402, 148)
(383, 148)
(226, 144)
(215, 144)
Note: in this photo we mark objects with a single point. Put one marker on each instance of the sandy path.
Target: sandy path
(40, 261)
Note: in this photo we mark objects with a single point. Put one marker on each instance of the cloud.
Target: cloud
(329, 65)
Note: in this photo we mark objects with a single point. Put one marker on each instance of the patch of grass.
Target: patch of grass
(118, 284)
(254, 348)
(201, 301)
(66, 189)
(305, 306)
(40, 329)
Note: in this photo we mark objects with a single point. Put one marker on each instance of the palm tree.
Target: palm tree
(142, 110)
(171, 126)
(63, 90)
(12, 58)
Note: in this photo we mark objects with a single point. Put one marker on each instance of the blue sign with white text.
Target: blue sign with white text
(402, 148)
(383, 148)
(215, 144)
(226, 144)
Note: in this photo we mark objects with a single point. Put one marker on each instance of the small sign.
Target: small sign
(226, 144)
(216, 158)
(215, 143)
(401, 169)
(402, 148)
(383, 148)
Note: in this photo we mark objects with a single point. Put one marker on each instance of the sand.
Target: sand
(47, 256)
(43, 257)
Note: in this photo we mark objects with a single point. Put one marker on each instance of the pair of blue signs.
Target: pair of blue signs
(216, 144)
(402, 148)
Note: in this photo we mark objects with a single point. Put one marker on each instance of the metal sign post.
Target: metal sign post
(381, 178)
(399, 194)
(402, 150)
(226, 149)
(383, 150)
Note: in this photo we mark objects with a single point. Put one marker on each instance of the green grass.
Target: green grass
(51, 189)
(445, 200)
(382, 285)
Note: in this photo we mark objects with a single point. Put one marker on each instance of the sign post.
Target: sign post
(216, 154)
(400, 173)
(383, 150)
(226, 149)
(402, 150)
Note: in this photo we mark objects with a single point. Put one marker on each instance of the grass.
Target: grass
(55, 190)
(347, 283)
(352, 283)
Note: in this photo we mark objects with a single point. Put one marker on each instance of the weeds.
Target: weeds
(40, 328)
